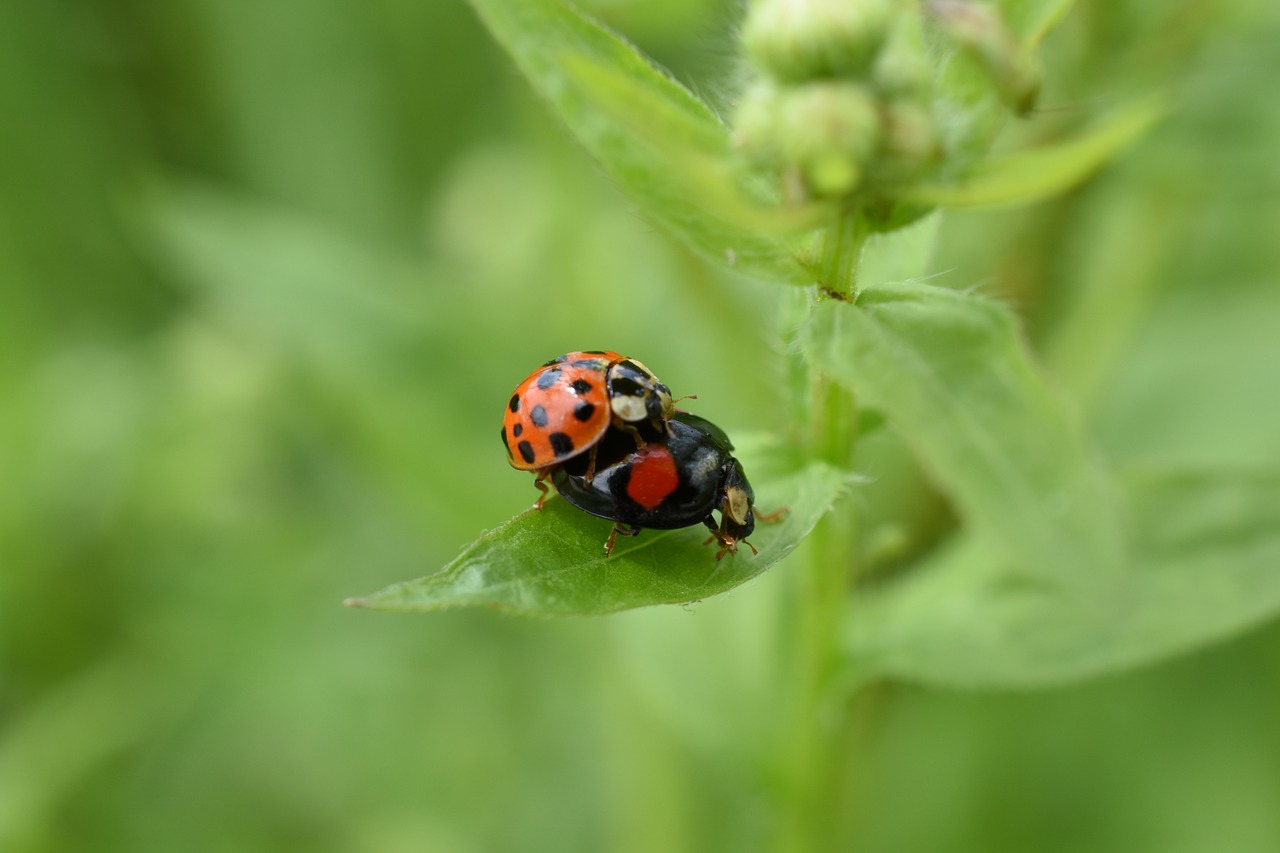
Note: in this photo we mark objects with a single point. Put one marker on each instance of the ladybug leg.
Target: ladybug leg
(727, 543)
(591, 464)
(775, 516)
(730, 545)
(618, 528)
(635, 433)
(542, 487)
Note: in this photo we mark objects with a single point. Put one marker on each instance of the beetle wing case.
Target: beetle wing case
(700, 464)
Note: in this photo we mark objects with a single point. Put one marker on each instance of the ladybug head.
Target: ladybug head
(635, 394)
(736, 518)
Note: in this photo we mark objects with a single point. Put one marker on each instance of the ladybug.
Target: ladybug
(563, 409)
(667, 485)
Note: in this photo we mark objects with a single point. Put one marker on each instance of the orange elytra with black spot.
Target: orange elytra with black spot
(566, 406)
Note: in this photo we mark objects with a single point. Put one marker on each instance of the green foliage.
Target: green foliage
(562, 52)
(270, 270)
(551, 562)
(1205, 547)
(952, 374)
(1037, 173)
(1049, 554)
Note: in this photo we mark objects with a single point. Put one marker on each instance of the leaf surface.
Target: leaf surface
(1207, 548)
(1038, 173)
(604, 89)
(552, 563)
(954, 375)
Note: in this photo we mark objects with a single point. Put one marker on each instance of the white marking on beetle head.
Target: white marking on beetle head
(629, 408)
(737, 503)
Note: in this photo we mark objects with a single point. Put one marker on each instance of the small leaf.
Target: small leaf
(1031, 20)
(983, 32)
(552, 563)
(900, 255)
(1039, 173)
(559, 50)
(953, 374)
(698, 152)
(1206, 550)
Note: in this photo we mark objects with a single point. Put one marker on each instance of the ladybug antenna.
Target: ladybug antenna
(685, 397)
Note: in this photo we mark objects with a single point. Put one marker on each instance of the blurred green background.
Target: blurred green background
(268, 272)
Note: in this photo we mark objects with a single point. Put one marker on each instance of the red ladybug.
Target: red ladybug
(563, 409)
(667, 485)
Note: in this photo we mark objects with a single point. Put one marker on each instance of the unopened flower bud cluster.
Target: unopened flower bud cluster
(842, 101)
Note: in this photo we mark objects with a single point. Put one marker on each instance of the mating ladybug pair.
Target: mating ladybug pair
(607, 434)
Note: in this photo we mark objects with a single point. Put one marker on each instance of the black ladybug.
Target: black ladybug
(667, 484)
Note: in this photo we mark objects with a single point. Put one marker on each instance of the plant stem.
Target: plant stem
(841, 251)
(813, 762)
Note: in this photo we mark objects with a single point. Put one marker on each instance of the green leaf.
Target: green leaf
(1039, 173)
(698, 153)
(562, 53)
(302, 285)
(953, 374)
(1206, 550)
(1031, 20)
(552, 563)
(900, 255)
(986, 65)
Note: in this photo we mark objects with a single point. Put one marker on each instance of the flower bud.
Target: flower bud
(901, 68)
(910, 144)
(798, 40)
(823, 133)
(755, 125)
(983, 32)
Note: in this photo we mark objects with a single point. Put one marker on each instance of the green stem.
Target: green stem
(841, 251)
(814, 762)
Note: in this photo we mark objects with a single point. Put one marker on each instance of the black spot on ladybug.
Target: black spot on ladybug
(538, 415)
(589, 363)
(548, 378)
(555, 360)
(584, 411)
(594, 351)
(561, 443)
(516, 430)
(514, 405)
(504, 439)
(526, 451)
(581, 386)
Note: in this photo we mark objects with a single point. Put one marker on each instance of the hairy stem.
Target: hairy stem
(841, 250)
(814, 762)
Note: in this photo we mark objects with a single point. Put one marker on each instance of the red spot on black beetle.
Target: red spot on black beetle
(653, 476)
